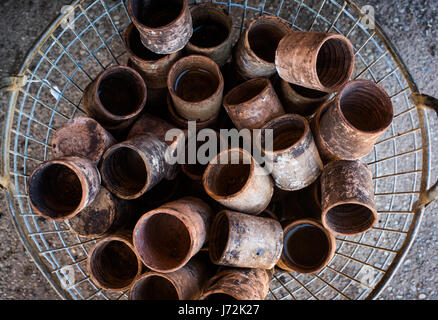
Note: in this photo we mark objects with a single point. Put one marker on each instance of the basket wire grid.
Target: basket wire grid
(65, 60)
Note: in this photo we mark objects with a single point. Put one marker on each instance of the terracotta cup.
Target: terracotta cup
(212, 29)
(254, 55)
(81, 137)
(131, 168)
(293, 157)
(307, 248)
(165, 26)
(235, 180)
(347, 193)
(355, 119)
(315, 60)
(238, 284)
(245, 241)
(116, 96)
(106, 214)
(113, 264)
(151, 66)
(186, 283)
(301, 100)
(59, 189)
(196, 87)
(252, 104)
(168, 237)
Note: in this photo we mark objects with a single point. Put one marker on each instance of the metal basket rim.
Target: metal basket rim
(418, 212)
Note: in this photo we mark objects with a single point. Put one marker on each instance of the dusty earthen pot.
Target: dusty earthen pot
(131, 168)
(196, 87)
(115, 97)
(59, 189)
(355, 119)
(238, 284)
(183, 123)
(186, 283)
(301, 100)
(315, 60)
(235, 180)
(254, 55)
(347, 193)
(168, 237)
(113, 263)
(105, 215)
(308, 247)
(294, 158)
(212, 29)
(165, 26)
(245, 241)
(151, 66)
(81, 137)
(252, 104)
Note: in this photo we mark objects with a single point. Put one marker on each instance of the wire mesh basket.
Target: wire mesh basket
(86, 39)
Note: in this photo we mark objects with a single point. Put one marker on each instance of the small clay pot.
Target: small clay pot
(293, 157)
(254, 55)
(245, 241)
(315, 60)
(252, 104)
(81, 137)
(183, 123)
(168, 237)
(186, 283)
(212, 29)
(347, 193)
(355, 119)
(301, 100)
(131, 168)
(59, 189)
(151, 66)
(117, 95)
(106, 214)
(196, 87)
(308, 247)
(113, 264)
(238, 284)
(235, 180)
(165, 26)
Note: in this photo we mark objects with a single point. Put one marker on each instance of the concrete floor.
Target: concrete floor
(411, 24)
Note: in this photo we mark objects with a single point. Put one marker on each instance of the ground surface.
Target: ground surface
(411, 24)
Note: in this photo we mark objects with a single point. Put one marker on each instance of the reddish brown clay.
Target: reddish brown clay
(238, 284)
(113, 264)
(255, 52)
(196, 87)
(252, 104)
(294, 158)
(308, 247)
(245, 241)
(355, 119)
(347, 193)
(186, 283)
(301, 100)
(315, 60)
(118, 94)
(105, 215)
(212, 29)
(131, 168)
(235, 180)
(165, 26)
(81, 137)
(183, 123)
(151, 66)
(59, 189)
(168, 237)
